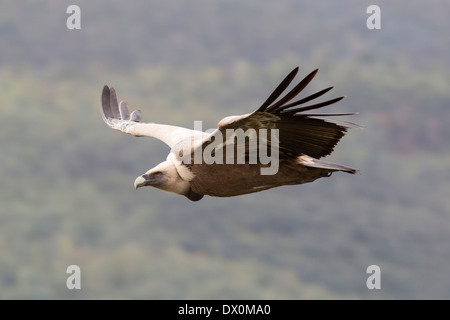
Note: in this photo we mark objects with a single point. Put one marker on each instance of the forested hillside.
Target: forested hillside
(66, 188)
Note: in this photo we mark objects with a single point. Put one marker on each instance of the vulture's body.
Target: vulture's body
(247, 178)
(301, 139)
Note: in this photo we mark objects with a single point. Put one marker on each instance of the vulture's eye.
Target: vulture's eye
(157, 175)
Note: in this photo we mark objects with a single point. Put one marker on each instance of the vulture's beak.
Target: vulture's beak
(141, 181)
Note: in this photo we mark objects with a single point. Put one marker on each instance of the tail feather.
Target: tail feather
(315, 163)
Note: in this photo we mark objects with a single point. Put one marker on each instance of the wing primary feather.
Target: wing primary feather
(124, 110)
(306, 99)
(325, 114)
(343, 124)
(294, 92)
(279, 90)
(113, 103)
(311, 107)
(136, 116)
(106, 107)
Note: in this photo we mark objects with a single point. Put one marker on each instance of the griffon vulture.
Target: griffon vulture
(299, 141)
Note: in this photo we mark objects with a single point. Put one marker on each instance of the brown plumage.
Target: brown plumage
(298, 139)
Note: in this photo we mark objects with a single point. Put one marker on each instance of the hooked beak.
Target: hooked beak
(141, 181)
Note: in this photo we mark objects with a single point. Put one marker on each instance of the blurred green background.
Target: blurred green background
(66, 179)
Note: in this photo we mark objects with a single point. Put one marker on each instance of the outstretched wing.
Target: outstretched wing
(299, 133)
(118, 117)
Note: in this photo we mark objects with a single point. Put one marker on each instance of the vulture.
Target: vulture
(233, 159)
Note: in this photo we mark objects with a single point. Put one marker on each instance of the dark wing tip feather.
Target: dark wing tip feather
(136, 116)
(281, 105)
(311, 107)
(124, 110)
(114, 105)
(279, 90)
(113, 110)
(110, 107)
(293, 93)
(106, 108)
(306, 99)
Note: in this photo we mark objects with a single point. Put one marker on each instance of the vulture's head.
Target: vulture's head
(164, 176)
